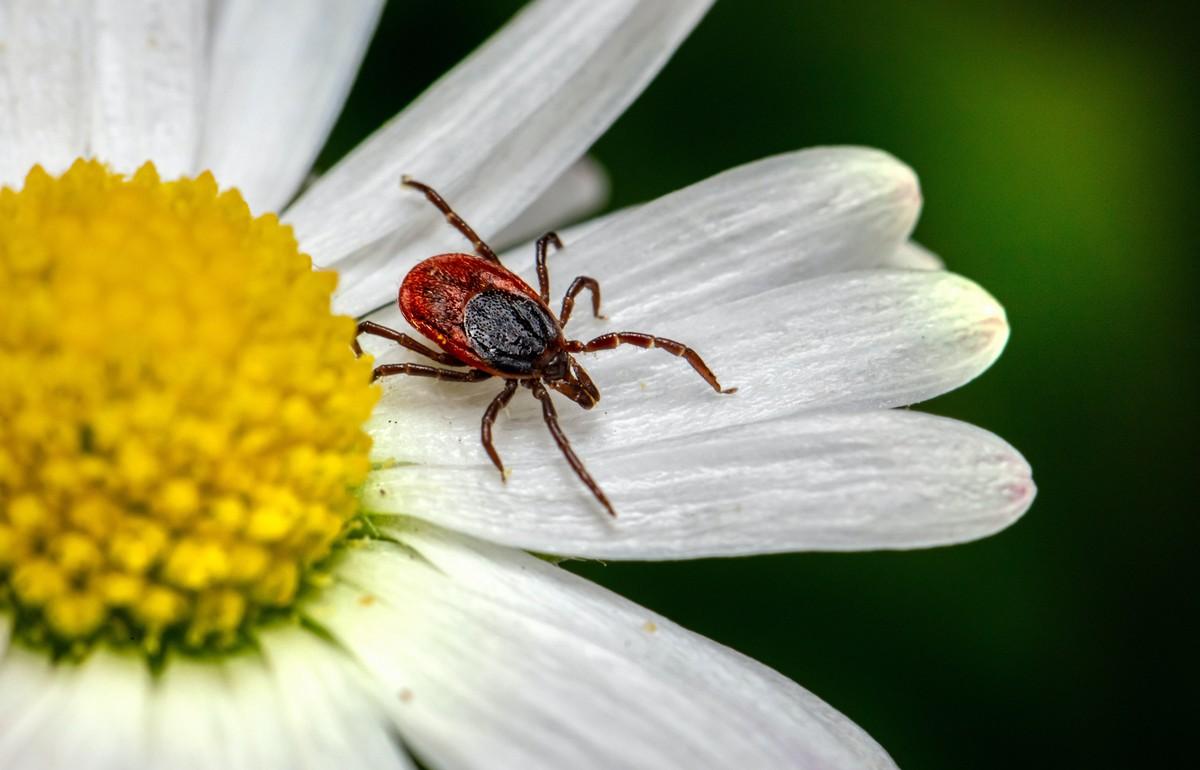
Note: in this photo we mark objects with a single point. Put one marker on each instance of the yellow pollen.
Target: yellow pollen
(180, 413)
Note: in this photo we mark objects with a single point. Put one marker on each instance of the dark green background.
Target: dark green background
(1056, 148)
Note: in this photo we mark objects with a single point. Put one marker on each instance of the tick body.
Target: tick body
(491, 324)
(480, 313)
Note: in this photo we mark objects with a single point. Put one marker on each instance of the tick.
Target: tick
(490, 322)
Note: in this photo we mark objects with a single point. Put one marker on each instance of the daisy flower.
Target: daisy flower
(206, 559)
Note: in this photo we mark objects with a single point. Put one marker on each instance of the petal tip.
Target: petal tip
(885, 175)
(983, 318)
(1022, 490)
(1014, 492)
(881, 163)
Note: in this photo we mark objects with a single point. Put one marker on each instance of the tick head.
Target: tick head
(557, 368)
(565, 375)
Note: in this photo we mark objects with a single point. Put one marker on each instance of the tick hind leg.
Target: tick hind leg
(489, 418)
(481, 248)
(402, 339)
(551, 417)
(610, 341)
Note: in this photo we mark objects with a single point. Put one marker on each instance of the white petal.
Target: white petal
(818, 482)
(866, 339)
(327, 705)
(281, 71)
(45, 80)
(29, 698)
(491, 136)
(295, 708)
(498, 659)
(150, 70)
(756, 227)
(310, 708)
(92, 714)
(222, 713)
(911, 255)
(192, 720)
(579, 191)
(252, 717)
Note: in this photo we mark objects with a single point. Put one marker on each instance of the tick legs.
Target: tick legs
(551, 417)
(489, 418)
(543, 245)
(481, 248)
(418, 370)
(379, 330)
(578, 285)
(610, 341)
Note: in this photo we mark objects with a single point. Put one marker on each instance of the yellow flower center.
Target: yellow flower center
(180, 413)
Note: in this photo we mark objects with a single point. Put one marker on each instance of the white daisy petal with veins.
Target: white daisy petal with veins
(911, 255)
(330, 709)
(150, 65)
(491, 135)
(180, 735)
(580, 190)
(752, 228)
(825, 482)
(37, 700)
(589, 680)
(281, 72)
(30, 691)
(45, 86)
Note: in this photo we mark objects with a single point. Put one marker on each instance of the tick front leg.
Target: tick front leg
(551, 417)
(489, 418)
(402, 339)
(543, 245)
(481, 248)
(419, 370)
(610, 341)
(578, 285)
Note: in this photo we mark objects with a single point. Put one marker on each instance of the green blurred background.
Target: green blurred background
(1055, 142)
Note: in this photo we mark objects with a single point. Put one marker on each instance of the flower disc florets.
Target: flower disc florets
(180, 414)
